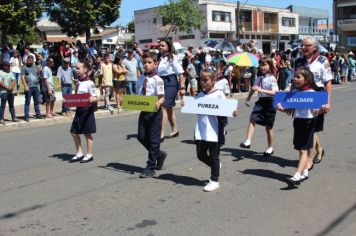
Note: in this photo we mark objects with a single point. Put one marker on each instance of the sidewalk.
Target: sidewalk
(19, 109)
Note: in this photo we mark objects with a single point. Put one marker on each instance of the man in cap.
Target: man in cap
(64, 75)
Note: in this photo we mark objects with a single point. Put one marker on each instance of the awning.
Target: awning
(59, 39)
(151, 44)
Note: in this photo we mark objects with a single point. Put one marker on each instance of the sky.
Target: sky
(129, 6)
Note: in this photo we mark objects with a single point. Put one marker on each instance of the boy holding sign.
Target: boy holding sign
(150, 123)
(209, 131)
(304, 126)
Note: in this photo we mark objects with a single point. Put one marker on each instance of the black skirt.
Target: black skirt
(303, 133)
(170, 90)
(319, 124)
(263, 112)
(84, 121)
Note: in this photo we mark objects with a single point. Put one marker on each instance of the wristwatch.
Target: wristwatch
(181, 88)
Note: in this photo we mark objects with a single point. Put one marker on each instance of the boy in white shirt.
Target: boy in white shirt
(150, 123)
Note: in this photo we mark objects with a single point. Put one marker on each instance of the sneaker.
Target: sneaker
(111, 110)
(211, 186)
(160, 160)
(16, 120)
(147, 173)
(243, 145)
(2, 122)
(27, 119)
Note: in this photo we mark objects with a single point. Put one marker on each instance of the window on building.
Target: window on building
(154, 21)
(253, 36)
(217, 36)
(191, 36)
(247, 36)
(288, 21)
(348, 12)
(258, 36)
(284, 37)
(169, 38)
(221, 16)
(266, 36)
(109, 40)
(145, 41)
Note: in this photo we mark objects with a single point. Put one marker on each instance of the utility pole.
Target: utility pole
(238, 21)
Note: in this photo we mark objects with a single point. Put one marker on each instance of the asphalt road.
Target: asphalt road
(42, 194)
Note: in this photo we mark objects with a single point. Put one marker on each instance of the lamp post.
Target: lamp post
(238, 21)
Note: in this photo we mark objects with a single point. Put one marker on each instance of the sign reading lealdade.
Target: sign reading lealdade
(77, 100)
(209, 106)
(302, 100)
(140, 103)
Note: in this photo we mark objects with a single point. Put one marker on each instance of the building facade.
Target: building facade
(313, 22)
(345, 22)
(272, 28)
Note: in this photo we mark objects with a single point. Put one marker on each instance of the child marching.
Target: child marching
(304, 126)
(84, 119)
(263, 112)
(209, 131)
(150, 123)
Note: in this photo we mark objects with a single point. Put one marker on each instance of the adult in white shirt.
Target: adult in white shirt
(169, 69)
(16, 64)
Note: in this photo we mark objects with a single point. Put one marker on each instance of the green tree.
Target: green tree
(131, 26)
(78, 17)
(180, 15)
(17, 16)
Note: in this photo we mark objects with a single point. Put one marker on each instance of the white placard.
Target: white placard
(209, 106)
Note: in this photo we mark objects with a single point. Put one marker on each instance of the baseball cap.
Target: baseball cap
(129, 50)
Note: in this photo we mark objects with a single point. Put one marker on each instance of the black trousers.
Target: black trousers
(212, 160)
(149, 135)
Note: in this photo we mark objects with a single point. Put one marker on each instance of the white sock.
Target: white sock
(306, 172)
(269, 150)
(247, 142)
(79, 154)
(296, 176)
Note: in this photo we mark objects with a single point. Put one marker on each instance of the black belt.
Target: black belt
(67, 85)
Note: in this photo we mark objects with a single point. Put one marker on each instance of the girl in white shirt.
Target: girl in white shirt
(304, 126)
(209, 131)
(263, 112)
(16, 64)
(84, 119)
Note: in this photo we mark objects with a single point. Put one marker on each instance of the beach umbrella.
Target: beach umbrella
(225, 46)
(211, 43)
(243, 59)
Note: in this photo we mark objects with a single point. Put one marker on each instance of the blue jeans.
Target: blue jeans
(131, 87)
(9, 97)
(18, 79)
(35, 93)
(66, 90)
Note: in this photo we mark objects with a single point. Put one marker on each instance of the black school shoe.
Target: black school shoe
(147, 173)
(316, 160)
(293, 181)
(268, 154)
(160, 160)
(243, 145)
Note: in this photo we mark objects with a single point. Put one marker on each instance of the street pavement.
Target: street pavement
(42, 194)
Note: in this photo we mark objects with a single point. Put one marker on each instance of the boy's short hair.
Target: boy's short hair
(151, 55)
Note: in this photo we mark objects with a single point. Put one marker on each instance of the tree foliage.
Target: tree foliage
(78, 17)
(131, 26)
(16, 16)
(180, 15)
